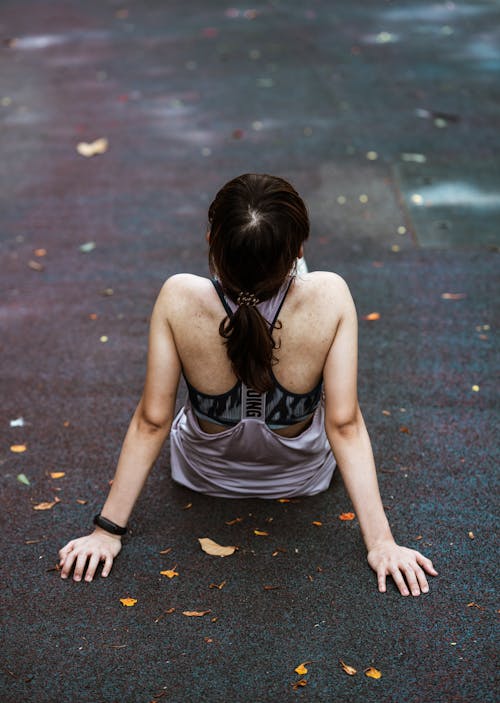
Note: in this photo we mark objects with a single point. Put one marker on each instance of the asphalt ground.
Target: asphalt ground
(385, 117)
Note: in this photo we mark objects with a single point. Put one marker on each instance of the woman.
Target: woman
(270, 361)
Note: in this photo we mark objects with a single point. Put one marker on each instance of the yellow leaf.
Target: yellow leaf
(301, 668)
(261, 533)
(57, 474)
(170, 572)
(18, 448)
(195, 613)
(347, 516)
(348, 669)
(373, 673)
(217, 550)
(128, 601)
(99, 146)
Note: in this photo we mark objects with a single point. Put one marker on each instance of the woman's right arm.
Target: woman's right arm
(149, 427)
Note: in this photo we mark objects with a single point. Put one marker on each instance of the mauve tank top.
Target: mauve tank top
(248, 459)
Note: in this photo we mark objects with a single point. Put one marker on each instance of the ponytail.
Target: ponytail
(258, 224)
(250, 347)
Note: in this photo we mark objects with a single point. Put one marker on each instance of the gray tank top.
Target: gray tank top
(248, 459)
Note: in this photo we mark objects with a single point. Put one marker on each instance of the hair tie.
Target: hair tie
(246, 298)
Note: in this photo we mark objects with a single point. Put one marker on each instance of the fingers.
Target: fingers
(107, 565)
(426, 564)
(93, 563)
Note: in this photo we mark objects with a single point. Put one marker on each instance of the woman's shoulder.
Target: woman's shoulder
(181, 293)
(324, 284)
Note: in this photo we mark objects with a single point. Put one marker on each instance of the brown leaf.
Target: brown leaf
(404, 429)
(187, 506)
(235, 521)
(271, 588)
(195, 613)
(298, 684)
(167, 612)
(47, 506)
(220, 586)
(373, 673)
(347, 516)
(217, 550)
(81, 501)
(453, 296)
(166, 551)
(348, 669)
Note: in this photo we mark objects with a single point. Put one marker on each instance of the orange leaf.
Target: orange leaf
(283, 500)
(170, 572)
(347, 516)
(195, 613)
(128, 601)
(57, 474)
(348, 669)
(318, 523)
(404, 429)
(261, 533)
(47, 506)
(18, 448)
(217, 550)
(373, 673)
(372, 316)
(299, 683)
(301, 668)
(40, 252)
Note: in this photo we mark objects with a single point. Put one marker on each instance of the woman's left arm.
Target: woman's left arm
(348, 437)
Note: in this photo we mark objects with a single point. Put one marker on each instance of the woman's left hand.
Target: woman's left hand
(406, 566)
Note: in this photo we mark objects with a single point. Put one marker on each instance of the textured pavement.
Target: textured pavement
(385, 116)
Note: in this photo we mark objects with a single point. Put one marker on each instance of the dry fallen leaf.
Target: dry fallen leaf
(299, 684)
(404, 429)
(318, 523)
(35, 265)
(301, 668)
(217, 550)
(348, 669)
(128, 601)
(47, 506)
(57, 474)
(167, 612)
(261, 533)
(372, 316)
(166, 551)
(18, 448)
(195, 613)
(271, 588)
(453, 296)
(170, 573)
(471, 535)
(373, 673)
(187, 506)
(283, 500)
(81, 501)
(235, 521)
(220, 586)
(347, 516)
(99, 146)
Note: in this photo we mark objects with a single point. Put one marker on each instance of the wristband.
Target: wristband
(108, 525)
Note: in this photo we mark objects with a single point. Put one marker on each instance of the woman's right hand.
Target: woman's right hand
(98, 546)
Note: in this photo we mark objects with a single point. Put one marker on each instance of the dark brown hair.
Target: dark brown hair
(257, 225)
